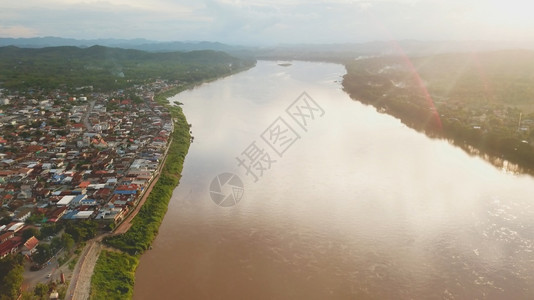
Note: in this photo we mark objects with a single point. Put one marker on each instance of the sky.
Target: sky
(262, 22)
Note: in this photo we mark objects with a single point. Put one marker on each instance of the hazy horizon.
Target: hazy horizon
(41, 41)
(261, 22)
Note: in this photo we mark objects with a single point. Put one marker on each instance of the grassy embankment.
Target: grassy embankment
(113, 276)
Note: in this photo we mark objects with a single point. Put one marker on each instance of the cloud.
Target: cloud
(17, 31)
(97, 19)
(267, 22)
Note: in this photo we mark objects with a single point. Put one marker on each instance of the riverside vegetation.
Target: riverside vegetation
(481, 102)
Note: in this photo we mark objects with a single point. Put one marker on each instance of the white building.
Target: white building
(66, 200)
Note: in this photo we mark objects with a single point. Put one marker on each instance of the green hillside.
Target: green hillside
(107, 68)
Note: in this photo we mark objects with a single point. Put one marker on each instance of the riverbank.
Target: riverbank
(108, 281)
(114, 273)
(312, 236)
(478, 104)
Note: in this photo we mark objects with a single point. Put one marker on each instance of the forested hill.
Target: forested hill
(483, 100)
(505, 77)
(107, 68)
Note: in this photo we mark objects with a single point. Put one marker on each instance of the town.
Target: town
(71, 158)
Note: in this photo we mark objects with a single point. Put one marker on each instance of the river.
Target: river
(347, 203)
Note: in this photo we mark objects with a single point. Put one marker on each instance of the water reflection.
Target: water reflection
(361, 207)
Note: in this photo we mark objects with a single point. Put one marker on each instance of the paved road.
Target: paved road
(32, 278)
(85, 118)
(80, 282)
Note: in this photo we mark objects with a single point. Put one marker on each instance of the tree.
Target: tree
(34, 219)
(111, 226)
(68, 241)
(56, 244)
(50, 229)
(5, 221)
(41, 290)
(10, 276)
(75, 231)
(28, 233)
(82, 231)
(28, 296)
(44, 253)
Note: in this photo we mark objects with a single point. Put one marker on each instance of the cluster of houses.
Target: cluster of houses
(76, 158)
(11, 241)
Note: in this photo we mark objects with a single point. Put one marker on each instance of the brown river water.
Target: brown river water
(338, 202)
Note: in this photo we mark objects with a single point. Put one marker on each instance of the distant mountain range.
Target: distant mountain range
(138, 44)
(379, 48)
(287, 51)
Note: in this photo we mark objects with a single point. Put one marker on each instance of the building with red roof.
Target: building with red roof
(10, 246)
(6, 236)
(84, 184)
(30, 246)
